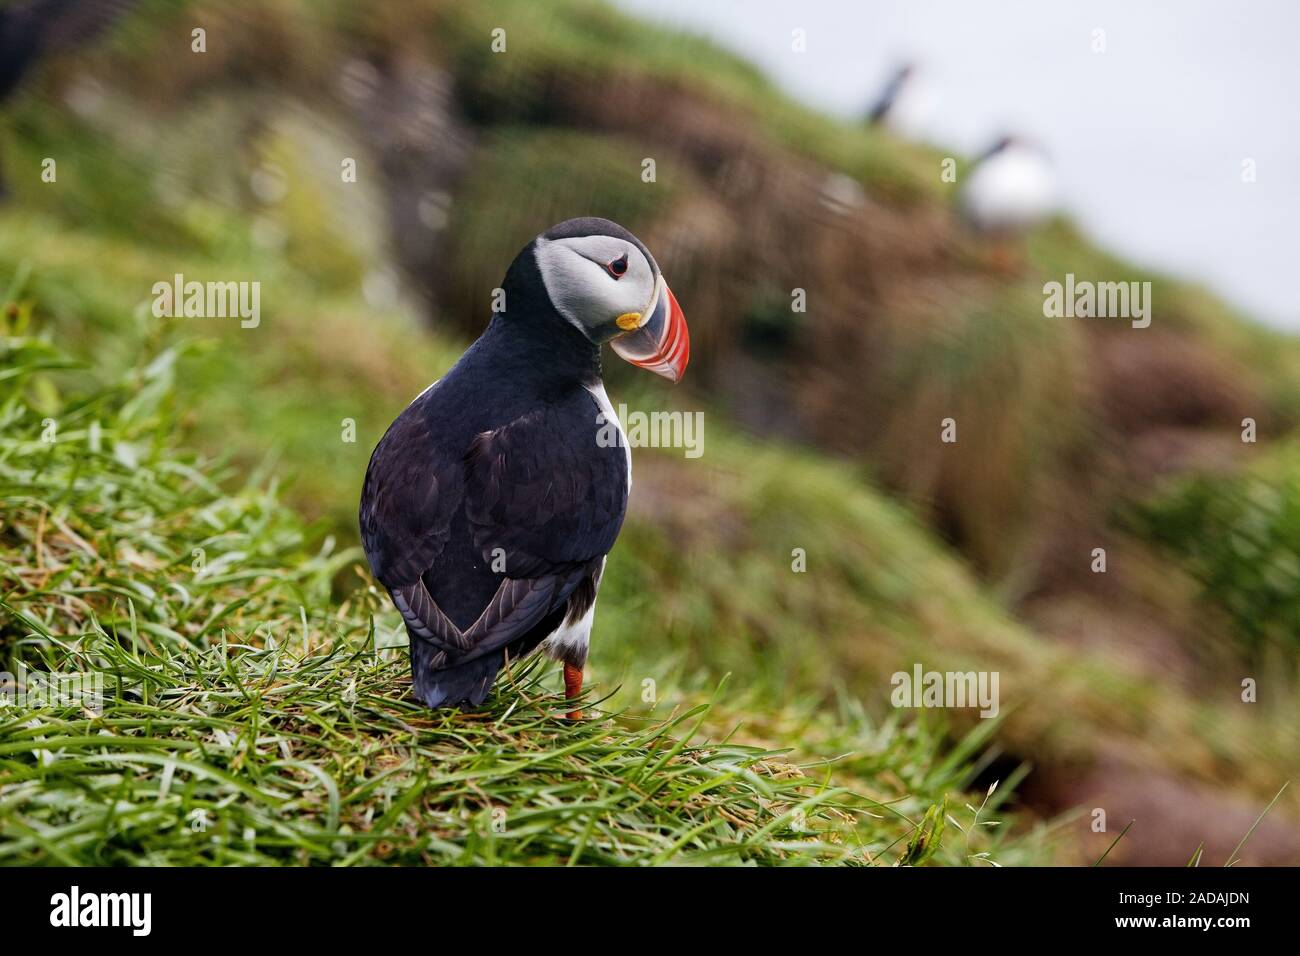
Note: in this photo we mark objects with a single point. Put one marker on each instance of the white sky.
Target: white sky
(1148, 137)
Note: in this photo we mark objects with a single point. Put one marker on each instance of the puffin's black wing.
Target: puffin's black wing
(546, 491)
(544, 502)
(411, 493)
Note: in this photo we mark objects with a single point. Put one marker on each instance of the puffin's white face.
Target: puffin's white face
(601, 284)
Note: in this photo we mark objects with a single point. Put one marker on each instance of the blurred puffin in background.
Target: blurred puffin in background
(1010, 188)
(905, 104)
(491, 502)
(31, 30)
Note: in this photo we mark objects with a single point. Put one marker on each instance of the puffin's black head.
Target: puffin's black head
(1008, 141)
(601, 279)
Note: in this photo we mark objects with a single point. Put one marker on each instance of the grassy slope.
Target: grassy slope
(252, 718)
(883, 594)
(1077, 701)
(78, 262)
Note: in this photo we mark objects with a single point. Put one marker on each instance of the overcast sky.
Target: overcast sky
(1148, 137)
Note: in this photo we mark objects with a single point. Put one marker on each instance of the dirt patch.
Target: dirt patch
(1171, 815)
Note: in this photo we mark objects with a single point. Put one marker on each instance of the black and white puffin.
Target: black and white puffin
(1011, 188)
(491, 502)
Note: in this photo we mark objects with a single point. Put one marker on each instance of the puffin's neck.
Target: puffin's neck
(530, 343)
(540, 348)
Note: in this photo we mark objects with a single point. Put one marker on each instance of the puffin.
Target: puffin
(490, 504)
(1011, 187)
(905, 103)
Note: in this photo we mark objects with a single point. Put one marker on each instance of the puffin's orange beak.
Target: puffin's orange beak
(658, 339)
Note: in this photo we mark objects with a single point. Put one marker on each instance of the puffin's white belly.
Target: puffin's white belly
(1015, 189)
(575, 635)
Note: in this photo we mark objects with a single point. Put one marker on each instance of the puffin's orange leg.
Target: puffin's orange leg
(573, 687)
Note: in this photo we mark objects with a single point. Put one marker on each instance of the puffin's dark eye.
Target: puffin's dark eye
(618, 266)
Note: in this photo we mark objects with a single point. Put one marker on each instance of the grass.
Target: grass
(250, 716)
(555, 42)
(1238, 536)
(256, 756)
